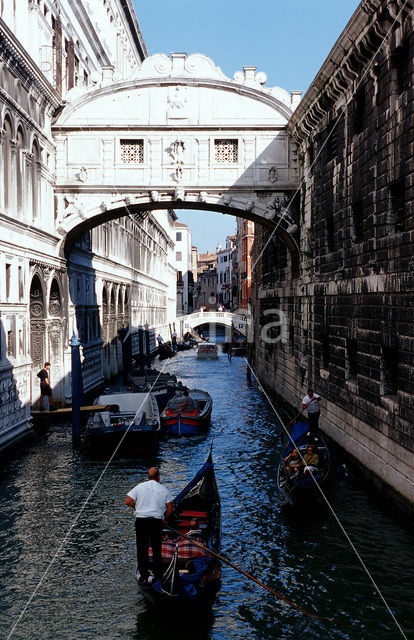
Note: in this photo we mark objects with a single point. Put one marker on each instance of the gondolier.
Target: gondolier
(153, 506)
(311, 402)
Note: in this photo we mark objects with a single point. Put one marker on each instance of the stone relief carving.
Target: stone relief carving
(203, 196)
(249, 205)
(227, 200)
(177, 98)
(178, 174)
(179, 194)
(73, 205)
(155, 196)
(176, 151)
(82, 174)
(272, 174)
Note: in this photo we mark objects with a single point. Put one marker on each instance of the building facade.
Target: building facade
(245, 239)
(348, 305)
(225, 274)
(184, 267)
(116, 275)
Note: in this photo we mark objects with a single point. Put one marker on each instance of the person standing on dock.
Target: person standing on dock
(45, 388)
(311, 402)
(153, 507)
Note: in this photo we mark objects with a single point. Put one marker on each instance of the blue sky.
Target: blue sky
(288, 39)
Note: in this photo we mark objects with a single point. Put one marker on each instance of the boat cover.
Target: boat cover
(192, 488)
(188, 581)
(298, 436)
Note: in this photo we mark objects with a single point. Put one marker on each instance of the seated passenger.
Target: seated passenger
(194, 530)
(293, 463)
(311, 459)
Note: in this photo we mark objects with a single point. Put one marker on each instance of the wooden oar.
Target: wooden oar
(248, 575)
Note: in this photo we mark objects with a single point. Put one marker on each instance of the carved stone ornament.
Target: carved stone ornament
(179, 194)
(73, 205)
(203, 196)
(103, 207)
(177, 151)
(155, 196)
(272, 174)
(249, 205)
(227, 200)
(82, 175)
(178, 174)
(177, 98)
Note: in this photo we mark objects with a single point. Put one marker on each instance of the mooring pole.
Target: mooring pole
(147, 343)
(77, 387)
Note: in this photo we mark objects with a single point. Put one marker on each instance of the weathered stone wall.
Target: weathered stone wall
(349, 328)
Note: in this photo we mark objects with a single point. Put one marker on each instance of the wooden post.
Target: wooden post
(77, 387)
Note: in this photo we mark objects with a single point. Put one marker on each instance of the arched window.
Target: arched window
(112, 310)
(37, 307)
(7, 162)
(55, 301)
(19, 169)
(35, 180)
(120, 310)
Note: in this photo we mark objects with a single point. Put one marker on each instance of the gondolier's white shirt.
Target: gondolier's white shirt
(150, 499)
(315, 406)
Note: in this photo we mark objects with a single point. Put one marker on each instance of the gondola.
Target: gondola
(190, 573)
(166, 350)
(177, 421)
(303, 484)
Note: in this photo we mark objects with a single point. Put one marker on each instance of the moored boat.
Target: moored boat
(207, 351)
(131, 417)
(191, 574)
(296, 477)
(187, 414)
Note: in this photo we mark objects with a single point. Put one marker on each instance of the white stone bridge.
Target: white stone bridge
(179, 134)
(237, 321)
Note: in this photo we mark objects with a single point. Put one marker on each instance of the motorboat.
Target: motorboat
(130, 421)
(207, 351)
(187, 414)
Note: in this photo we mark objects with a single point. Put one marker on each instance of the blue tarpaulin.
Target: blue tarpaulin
(298, 436)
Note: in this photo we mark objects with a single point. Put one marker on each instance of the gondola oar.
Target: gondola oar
(248, 575)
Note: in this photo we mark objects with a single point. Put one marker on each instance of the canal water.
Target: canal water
(68, 557)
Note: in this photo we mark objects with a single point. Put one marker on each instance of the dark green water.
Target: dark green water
(89, 591)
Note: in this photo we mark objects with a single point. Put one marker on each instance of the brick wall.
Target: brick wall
(350, 314)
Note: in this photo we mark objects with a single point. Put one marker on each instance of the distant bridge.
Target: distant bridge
(236, 321)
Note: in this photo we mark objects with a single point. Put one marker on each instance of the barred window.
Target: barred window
(132, 151)
(226, 151)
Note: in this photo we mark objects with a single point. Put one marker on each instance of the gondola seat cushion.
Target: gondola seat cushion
(186, 550)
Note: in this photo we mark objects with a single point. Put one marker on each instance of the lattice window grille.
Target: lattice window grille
(226, 151)
(132, 151)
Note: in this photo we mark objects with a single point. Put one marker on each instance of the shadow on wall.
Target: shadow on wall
(100, 313)
(14, 389)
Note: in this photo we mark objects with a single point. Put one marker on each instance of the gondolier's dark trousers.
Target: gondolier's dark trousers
(313, 419)
(149, 532)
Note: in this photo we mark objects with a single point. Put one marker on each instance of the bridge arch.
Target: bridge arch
(178, 135)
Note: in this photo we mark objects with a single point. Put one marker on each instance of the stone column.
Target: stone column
(12, 177)
(28, 161)
(2, 138)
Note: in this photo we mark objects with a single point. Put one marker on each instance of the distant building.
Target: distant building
(225, 273)
(207, 280)
(245, 237)
(194, 272)
(184, 266)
